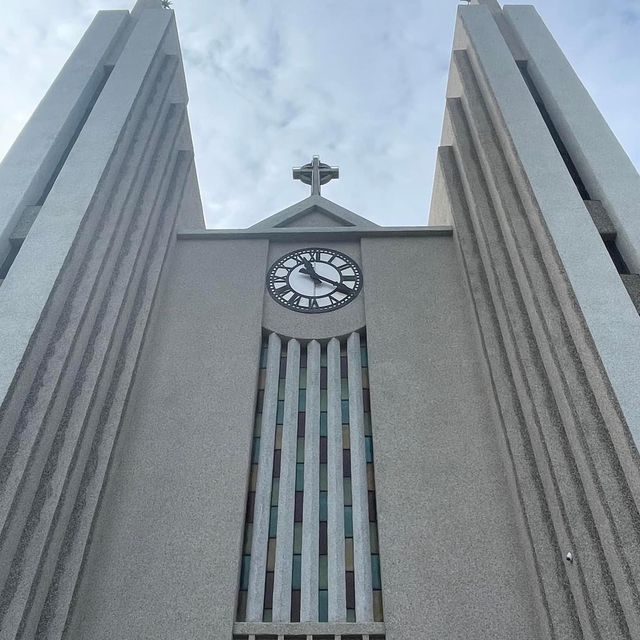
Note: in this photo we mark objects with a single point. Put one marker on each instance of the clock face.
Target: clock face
(314, 280)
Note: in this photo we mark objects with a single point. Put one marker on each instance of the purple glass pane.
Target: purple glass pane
(373, 516)
(323, 539)
(251, 500)
(276, 463)
(300, 424)
(297, 515)
(268, 591)
(351, 590)
(346, 463)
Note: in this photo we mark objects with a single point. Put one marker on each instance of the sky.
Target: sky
(359, 82)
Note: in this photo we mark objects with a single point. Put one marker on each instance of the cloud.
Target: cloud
(360, 82)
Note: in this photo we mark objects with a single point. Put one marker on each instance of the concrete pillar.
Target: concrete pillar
(311, 507)
(361, 543)
(286, 497)
(262, 507)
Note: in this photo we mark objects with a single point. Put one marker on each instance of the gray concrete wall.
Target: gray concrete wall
(164, 561)
(453, 565)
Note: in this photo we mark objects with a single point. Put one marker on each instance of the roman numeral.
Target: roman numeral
(313, 304)
(344, 267)
(284, 290)
(316, 256)
(349, 278)
(295, 298)
(280, 280)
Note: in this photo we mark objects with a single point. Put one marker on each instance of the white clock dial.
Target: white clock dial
(314, 280)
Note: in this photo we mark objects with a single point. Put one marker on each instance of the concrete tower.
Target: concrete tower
(318, 427)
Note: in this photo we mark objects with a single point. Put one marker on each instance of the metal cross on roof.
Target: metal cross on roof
(316, 173)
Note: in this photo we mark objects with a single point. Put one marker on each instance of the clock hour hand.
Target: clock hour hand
(310, 271)
(338, 285)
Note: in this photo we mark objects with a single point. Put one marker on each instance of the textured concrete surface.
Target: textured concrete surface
(452, 561)
(604, 167)
(594, 281)
(164, 562)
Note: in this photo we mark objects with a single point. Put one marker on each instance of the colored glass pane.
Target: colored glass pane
(242, 606)
(345, 411)
(297, 514)
(344, 389)
(367, 424)
(365, 378)
(323, 477)
(271, 555)
(280, 412)
(251, 500)
(344, 367)
(300, 450)
(273, 522)
(351, 615)
(364, 356)
(299, 477)
(302, 400)
(371, 484)
(346, 463)
(276, 463)
(348, 554)
(301, 422)
(267, 615)
(295, 606)
(368, 448)
(348, 499)
(323, 538)
(372, 506)
(323, 400)
(378, 612)
(255, 452)
(366, 400)
(323, 378)
(303, 379)
(373, 537)
(350, 590)
(281, 389)
(323, 450)
(323, 506)
(275, 492)
(257, 425)
(346, 437)
(253, 477)
(268, 590)
(323, 423)
(248, 538)
(375, 572)
(244, 574)
(323, 575)
(348, 522)
(263, 356)
(278, 439)
(296, 575)
(297, 537)
(323, 605)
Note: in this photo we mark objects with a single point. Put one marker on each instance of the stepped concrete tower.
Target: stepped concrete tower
(318, 427)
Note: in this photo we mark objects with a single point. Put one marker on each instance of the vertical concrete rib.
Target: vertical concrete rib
(311, 508)
(286, 497)
(262, 506)
(361, 547)
(335, 487)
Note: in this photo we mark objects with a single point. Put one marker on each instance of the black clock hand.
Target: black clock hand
(338, 285)
(310, 271)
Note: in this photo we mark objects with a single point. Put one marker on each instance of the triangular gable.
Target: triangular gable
(314, 211)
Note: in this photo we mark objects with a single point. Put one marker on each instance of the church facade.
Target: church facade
(318, 427)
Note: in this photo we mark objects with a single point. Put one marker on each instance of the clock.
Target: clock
(314, 280)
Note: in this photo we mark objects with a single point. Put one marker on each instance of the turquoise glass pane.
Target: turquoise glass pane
(323, 506)
(323, 423)
(267, 616)
(344, 388)
(281, 387)
(299, 478)
(256, 451)
(364, 356)
(300, 450)
(375, 572)
(275, 491)
(368, 447)
(280, 412)
(324, 573)
(303, 379)
(273, 522)
(323, 399)
(323, 606)
(244, 576)
(302, 400)
(351, 615)
(345, 412)
(296, 576)
(348, 499)
(348, 522)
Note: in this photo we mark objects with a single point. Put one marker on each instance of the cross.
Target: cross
(316, 173)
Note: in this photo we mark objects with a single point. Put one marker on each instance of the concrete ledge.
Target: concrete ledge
(316, 233)
(323, 629)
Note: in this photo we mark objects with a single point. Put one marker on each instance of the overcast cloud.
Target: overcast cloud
(359, 82)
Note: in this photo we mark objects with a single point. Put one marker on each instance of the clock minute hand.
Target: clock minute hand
(338, 285)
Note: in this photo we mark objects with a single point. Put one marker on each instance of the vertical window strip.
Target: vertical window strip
(318, 430)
